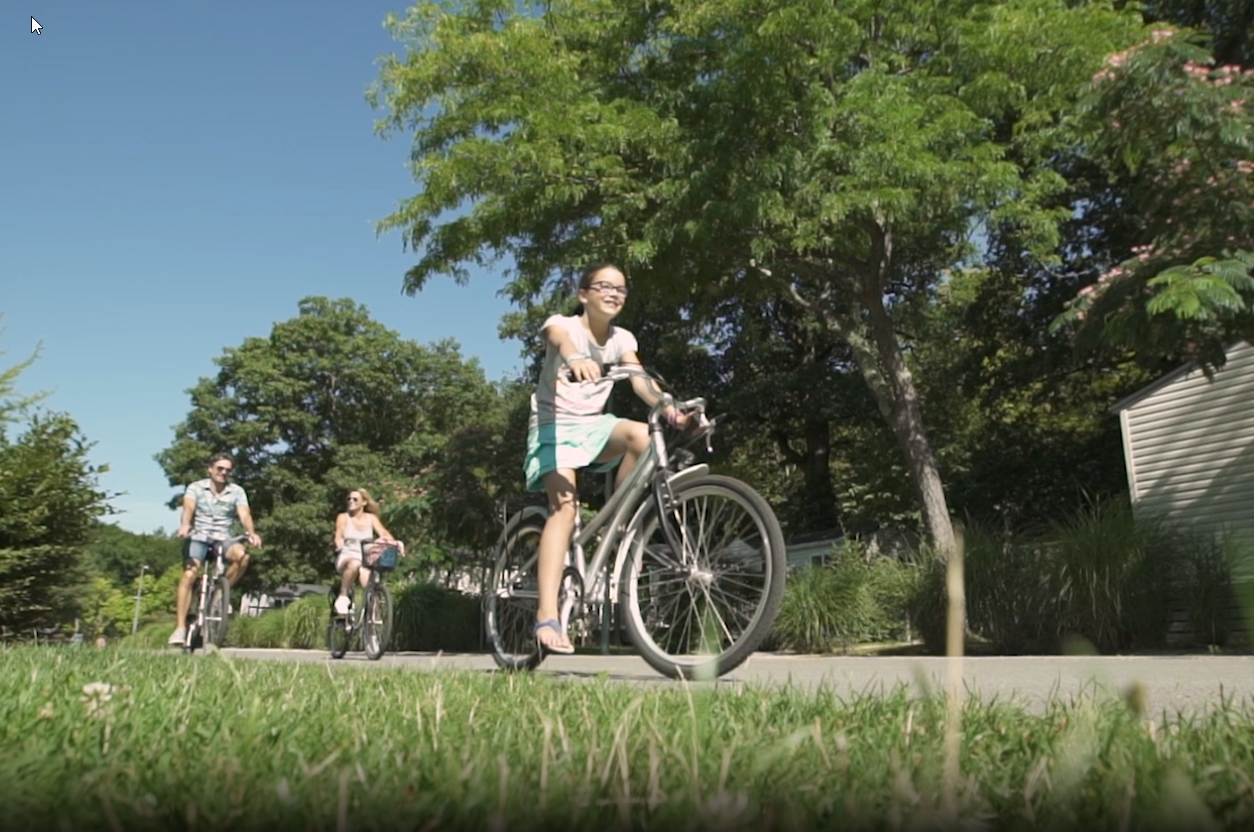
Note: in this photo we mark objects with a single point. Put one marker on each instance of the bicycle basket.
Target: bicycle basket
(381, 556)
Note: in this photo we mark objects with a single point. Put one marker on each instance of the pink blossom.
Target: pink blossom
(1087, 290)
(1104, 75)
(1117, 60)
(1160, 35)
(1245, 166)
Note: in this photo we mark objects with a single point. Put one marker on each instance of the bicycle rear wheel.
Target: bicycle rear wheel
(376, 625)
(218, 612)
(702, 612)
(513, 596)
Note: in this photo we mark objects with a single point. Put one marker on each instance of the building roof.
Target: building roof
(1153, 387)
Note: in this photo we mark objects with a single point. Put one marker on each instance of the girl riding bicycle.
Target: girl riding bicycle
(568, 429)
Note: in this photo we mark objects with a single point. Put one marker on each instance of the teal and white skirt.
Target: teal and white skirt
(551, 446)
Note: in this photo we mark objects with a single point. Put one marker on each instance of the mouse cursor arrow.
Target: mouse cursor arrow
(35, 27)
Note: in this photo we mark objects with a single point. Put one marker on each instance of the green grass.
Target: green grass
(212, 742)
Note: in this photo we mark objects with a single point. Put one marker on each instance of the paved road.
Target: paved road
(1171, 683)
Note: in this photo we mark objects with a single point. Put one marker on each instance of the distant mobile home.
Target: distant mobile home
(1188, 445)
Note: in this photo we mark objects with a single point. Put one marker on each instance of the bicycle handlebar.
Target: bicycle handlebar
(619, 372)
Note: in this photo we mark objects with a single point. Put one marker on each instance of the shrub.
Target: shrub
(850, 600)
(428, 617)
(1096, 574)
(1113, 576)
(150, 636)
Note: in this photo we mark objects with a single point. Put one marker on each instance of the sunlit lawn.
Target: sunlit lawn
(131, 740)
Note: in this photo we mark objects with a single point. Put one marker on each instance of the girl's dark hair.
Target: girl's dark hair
(589, 274)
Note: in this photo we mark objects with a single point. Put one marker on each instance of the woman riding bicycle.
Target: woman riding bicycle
(568, 429)
(354, 529)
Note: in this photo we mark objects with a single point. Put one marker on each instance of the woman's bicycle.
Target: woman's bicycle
(695, 560)
(207, 621)
(370, 622)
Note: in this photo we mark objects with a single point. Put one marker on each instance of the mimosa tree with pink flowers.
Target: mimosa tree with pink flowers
(1174, 133)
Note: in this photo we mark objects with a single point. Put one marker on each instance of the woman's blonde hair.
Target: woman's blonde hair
(367, 502)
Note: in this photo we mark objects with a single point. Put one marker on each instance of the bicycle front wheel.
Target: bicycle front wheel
(512, 598)
(701, 612)
(218, 612)
(337, 636)
(376, 625)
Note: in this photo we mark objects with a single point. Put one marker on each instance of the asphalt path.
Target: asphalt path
(1171, 684)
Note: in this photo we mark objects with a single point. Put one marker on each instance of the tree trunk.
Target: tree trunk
(905, 417)
(818, 510)
(886, 373)
(820, 498)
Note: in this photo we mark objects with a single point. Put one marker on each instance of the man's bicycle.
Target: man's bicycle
(209, 617)
(695, 560)
(369, 622)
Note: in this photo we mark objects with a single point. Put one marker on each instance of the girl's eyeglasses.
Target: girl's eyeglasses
(609, 288)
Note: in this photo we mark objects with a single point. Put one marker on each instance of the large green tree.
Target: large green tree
(332, 400)
(838, 155)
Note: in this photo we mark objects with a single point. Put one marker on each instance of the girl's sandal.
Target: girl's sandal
(552, 623)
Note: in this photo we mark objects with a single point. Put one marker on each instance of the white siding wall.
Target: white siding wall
(1189, 448)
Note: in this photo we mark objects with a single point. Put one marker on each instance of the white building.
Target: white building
(1188, 444)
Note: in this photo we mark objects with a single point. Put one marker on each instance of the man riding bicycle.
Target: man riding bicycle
(209, 507)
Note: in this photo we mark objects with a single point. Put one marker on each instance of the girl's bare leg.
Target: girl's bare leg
(554, 543)
(629, 439)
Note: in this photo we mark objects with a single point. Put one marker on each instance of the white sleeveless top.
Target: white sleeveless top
(355, 538)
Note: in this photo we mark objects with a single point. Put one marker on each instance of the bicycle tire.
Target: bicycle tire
(218, 612)
(648, 558)
(337, 636)
(376, 624)
(195, 633)
(509, 613)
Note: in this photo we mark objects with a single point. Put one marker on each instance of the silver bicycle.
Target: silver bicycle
(207, 622)
(695, 561)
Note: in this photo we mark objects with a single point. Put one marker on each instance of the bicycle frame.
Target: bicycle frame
(619, 511)
(208, 576)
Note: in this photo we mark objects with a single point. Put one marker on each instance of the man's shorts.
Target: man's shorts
(197, 549)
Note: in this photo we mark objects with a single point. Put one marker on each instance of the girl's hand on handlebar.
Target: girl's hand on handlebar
(584, 369)
(677, 418)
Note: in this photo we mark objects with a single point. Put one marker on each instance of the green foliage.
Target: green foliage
(301, 625)
(1173, 134)
(49, 502)
(827, 160)
(105, 610)
(150, 636)
(117, 554)
(1021, 425)
(430, 618)
(853, 599)
(1096, 574)
(1113, 575)
(331, 401)
(12, 404)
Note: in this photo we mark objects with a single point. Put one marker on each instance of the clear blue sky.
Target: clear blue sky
(176, 176)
